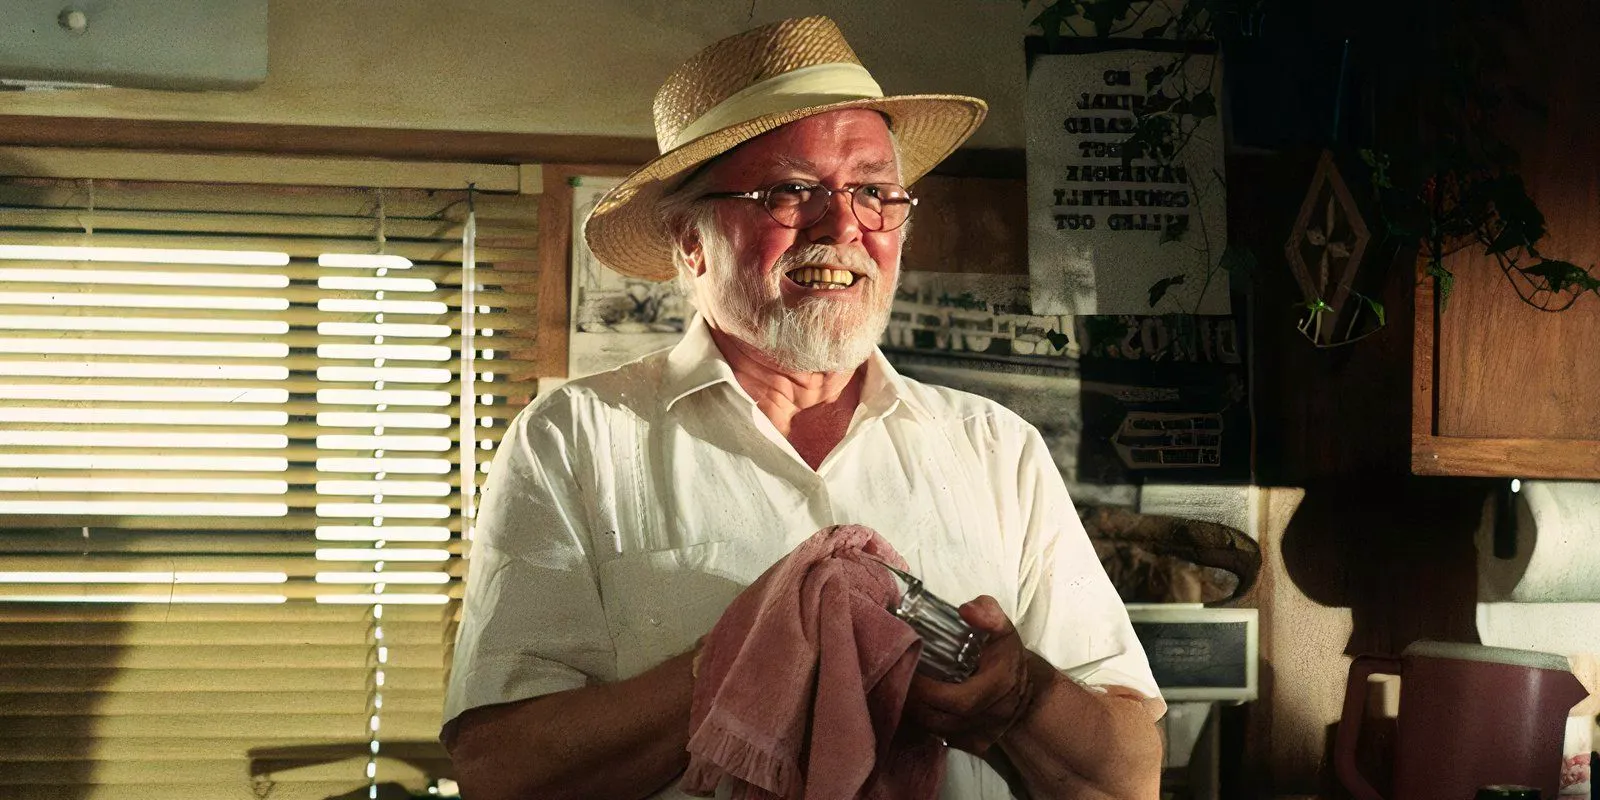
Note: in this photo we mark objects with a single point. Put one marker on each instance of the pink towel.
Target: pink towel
(803, 680)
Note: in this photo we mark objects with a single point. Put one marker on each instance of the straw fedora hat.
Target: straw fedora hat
(742, 87)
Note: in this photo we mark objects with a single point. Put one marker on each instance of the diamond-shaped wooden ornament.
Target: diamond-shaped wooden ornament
(1327, 242)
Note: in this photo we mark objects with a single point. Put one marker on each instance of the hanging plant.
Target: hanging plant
(1459, 186)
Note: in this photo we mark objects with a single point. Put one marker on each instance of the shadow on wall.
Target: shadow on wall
(1400, 555)
(65, 701)
(413, 757)
(406, 766)
(58, 667)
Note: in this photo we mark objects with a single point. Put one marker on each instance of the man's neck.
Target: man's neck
(793, 401)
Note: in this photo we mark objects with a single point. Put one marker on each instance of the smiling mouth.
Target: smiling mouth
(822, 278)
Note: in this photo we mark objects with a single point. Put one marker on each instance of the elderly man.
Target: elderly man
(625, 511)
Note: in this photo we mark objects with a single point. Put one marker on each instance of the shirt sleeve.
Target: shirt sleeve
(532, 620)
(1067, 609)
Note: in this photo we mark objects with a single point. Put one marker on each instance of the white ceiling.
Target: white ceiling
(560, 66)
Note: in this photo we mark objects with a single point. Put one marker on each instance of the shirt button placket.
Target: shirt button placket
(823, 501)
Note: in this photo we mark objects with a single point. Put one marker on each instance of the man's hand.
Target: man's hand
(974, 714)
(1056, 738)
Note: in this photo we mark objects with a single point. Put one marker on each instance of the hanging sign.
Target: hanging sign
(1112, 230)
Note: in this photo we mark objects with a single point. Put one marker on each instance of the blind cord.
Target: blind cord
(380, 651)
(383, 224)
(469, 390)
(87, 220)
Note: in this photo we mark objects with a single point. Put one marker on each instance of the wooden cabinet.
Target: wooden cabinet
(1501, 388)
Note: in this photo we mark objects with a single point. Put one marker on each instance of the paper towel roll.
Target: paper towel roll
(1558, 547)
(1562, 628)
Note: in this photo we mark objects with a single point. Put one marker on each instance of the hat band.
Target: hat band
(816, 85)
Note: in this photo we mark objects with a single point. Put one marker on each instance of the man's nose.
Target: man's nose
(838, 224)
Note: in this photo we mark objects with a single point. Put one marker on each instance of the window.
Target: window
(231, 468)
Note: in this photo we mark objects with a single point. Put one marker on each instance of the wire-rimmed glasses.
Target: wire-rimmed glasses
(877, 206)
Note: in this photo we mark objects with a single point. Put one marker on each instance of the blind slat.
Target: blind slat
(164, 594)
(222, 565)
(182, 657)
(301, 295)
(358, 202)
(61, 748)
(523, 248)
(237, 789)
(303, 317)
(305, 271)
(210, 633)
(137, 704)
(155, 776)
(339, 727)
(277, 224)
(310, 614)
(353, 677)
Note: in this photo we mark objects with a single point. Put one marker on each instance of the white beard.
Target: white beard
(820, 334)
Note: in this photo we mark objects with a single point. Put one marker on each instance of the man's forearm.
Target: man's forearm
(1076, 743)
(623, 740)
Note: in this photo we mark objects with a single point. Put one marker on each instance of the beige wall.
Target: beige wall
(559, 66)
(1303, 662)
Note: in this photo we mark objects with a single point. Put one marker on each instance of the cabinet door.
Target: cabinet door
(1500, 387)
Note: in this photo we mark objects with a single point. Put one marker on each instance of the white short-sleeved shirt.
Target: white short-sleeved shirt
(626, 510)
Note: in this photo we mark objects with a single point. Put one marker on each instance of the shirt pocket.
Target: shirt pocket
(658, 602)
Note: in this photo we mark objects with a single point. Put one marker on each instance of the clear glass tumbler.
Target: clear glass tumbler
(950, 647)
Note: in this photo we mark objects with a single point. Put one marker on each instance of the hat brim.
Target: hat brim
(625, 230)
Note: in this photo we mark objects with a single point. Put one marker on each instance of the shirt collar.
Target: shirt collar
(886, 388)
(696, 363)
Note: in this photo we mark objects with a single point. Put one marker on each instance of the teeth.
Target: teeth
(822, 277)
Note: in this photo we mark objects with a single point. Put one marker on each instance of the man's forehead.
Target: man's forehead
(854, 141)
(861, 164)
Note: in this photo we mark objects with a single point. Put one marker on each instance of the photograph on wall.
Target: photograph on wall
(1112, 229)
(1119, 399)
(615, 318)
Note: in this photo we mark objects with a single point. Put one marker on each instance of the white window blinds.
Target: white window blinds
(231, 477)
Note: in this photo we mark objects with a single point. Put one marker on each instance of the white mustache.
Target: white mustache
(821, 255)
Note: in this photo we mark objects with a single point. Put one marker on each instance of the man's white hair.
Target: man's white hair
(682, 213)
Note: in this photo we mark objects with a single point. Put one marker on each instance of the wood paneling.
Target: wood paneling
(555, 254)
(209, 168)
(421, 145)
(969, 225)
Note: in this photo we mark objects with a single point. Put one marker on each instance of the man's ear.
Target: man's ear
(694, 252)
